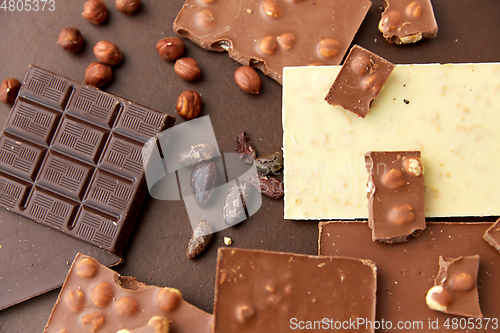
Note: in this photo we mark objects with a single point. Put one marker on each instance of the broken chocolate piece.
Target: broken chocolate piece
(95, 298)
(360, 81)
(455, 287)
(408, 21)
(277, 290)
(492, 235)
(395, 192)
(273, 34)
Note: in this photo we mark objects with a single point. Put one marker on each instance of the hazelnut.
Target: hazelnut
(271, 8)
(71, 40)
(389, 22)
(98, 74)
(286, 40)
(208, 1)
(107, 53)
(401, 215)
(189, 104)
(187, 68)
(268, 45)
(171, 48)
(86, 268)
(95, 11)
(247, 79)
(413, 166)
(329, 48)
(206, 18)
(360, 64)
(102, 294)
(8, 90)
(159, 324)
(168, 299)
(75, 300)
(93, 321)
(127, 7)
(438, 298)
(245, 313)
(393, 179)
(461, 282)
(414, 9)
(126, 306)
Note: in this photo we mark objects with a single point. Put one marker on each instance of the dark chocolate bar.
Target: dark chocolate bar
(272, 34)
(95, 298)
(262, 291)
(71, 158)
(395, 192)
(360, 81)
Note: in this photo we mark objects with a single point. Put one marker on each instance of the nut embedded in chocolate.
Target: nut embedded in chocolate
(75, 300)
(328, 48)
(8, 90)
(168, 299)
(248, 79)
(98, 74)
(127, 7)
(170, 48)
(271, 8)
(95, 11)
(187, 69)
(206, 18)
(92, 321)
(286, 40)
(393, 179)
(102, 294)
(413, 166)
(203, 233)
(438, 298)
(188, 104)
(461, 282)
(159, 324)
(107, 53)
(71, 40)
(268, 45)
(126, 306)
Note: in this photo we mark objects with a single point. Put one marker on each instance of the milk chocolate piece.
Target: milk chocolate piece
(408, 21)
(395, 192)
(71, 158)
(261, 291)
(406, 271)
(455, 287)
(272, 34)
(492, 235)
(95, 298)
(360, 81)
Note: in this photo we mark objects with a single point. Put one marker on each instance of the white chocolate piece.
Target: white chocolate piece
(451, 113)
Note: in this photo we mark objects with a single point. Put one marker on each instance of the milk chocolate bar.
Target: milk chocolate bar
(492, 235)
(261, 291)
(455, 287)
(406, 271)
(408, 21)
(71, 158)
(395, 192)
(272, 34)
(94, 298)
(360, 80)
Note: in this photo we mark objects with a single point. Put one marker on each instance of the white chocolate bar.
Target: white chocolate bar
(451, 113)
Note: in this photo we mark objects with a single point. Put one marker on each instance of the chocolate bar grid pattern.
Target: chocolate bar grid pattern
(71, 157)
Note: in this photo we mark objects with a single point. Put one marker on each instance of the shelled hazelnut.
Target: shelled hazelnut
(98, 74)
(189, 104)
(8, 90)
(127, 7)
(95, 11)
(248, 80)
(71, 40)
(187, 68)
(107, 53)
(171, 48)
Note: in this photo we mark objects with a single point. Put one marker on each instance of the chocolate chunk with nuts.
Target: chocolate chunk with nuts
(408, 21)
(360, 81)
(8, 90)
(269, 186)
(455, 287)
(71, 40)
(269, 163)
(245, 148)
(204, 180)
(395, 192)
(201, 238)
(196, 153)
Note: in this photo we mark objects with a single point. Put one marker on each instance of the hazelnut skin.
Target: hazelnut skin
(248, 80)
(98, 74)
(127, 7)
(187, 68)
(107, 53)
(8, 90)
(71, 40)
(171, 48)
(95, 11)
(189, 104)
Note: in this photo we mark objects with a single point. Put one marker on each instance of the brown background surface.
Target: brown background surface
(468, 32)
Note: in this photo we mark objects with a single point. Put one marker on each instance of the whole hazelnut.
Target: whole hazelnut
(107, 53)
(98, 74)
(168, 299)
(171, 48)
(187, 68)
(159, 324)
(71, 40)
(8, 90)
(92, 321)
(95, 11)
(248, 80)
(127, 7)
(189, 104)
